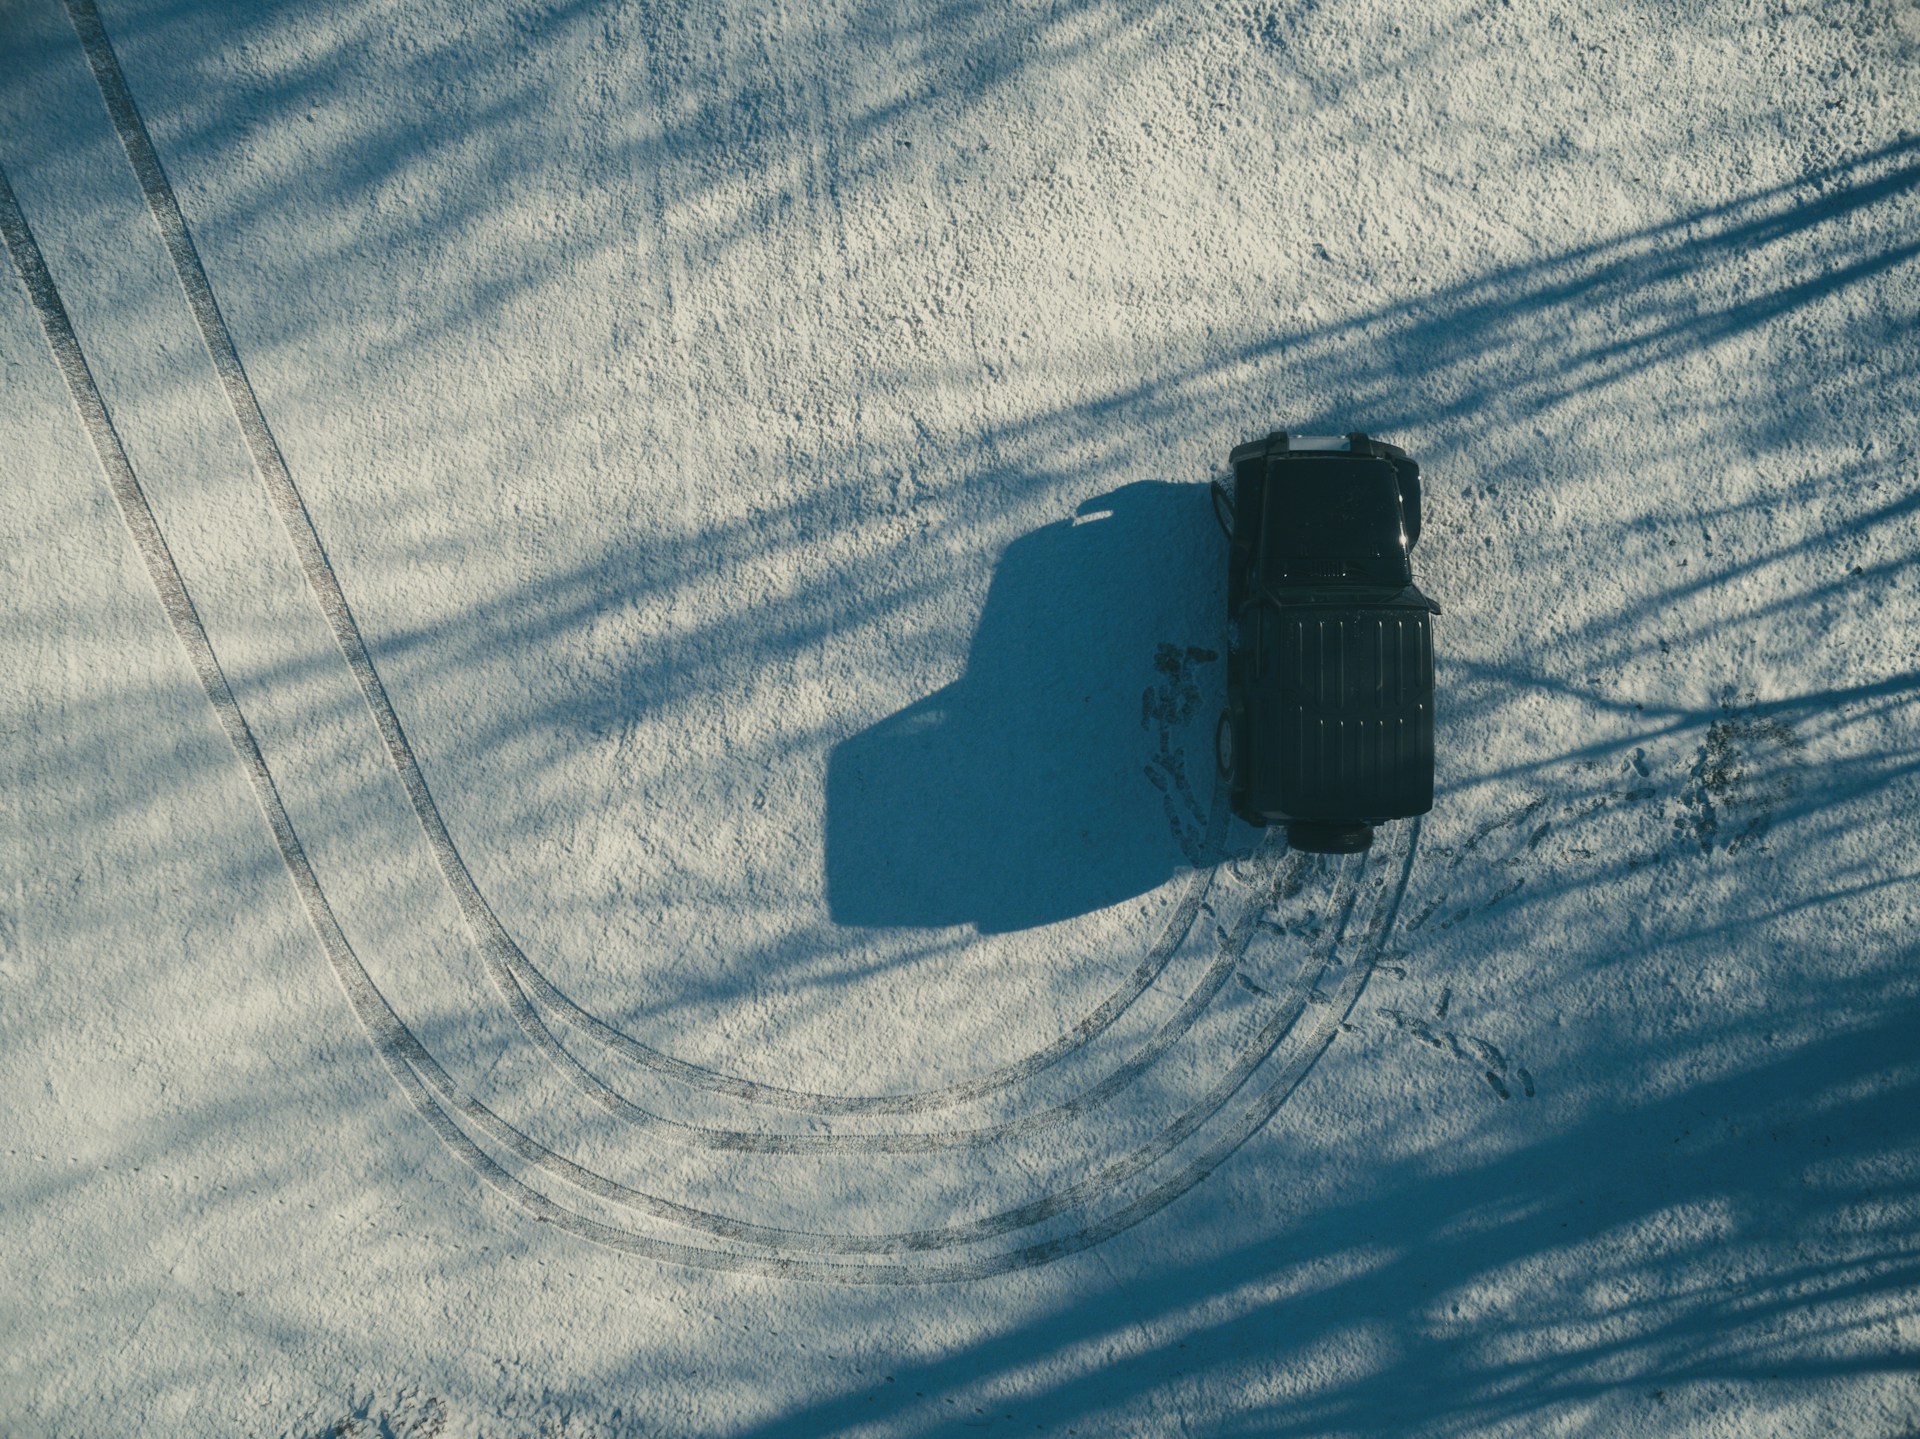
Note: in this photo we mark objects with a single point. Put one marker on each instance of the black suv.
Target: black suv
(1329, 721)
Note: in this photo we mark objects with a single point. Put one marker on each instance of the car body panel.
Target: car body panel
(1330, 676)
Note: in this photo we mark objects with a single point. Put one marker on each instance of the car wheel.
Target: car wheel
(1223, 508)
(1223, 744)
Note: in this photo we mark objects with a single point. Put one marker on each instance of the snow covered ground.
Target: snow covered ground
(612, 629)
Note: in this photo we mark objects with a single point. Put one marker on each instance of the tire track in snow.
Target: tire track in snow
(396, 1046)
(1266, 1103)
(420, 1077)
(1280, 1018)
(512, 974)
(1228, 952)
(429, 1087)
(414, 1069)
(1333, 1010)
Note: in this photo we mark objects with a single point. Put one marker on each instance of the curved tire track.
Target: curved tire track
(1282, 1018)
(505, 962)
(432, 1090)
(434, 1094)
(1267, 1102)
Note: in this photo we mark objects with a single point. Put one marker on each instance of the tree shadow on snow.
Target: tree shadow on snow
(1760, 1212)
(1505, 1279)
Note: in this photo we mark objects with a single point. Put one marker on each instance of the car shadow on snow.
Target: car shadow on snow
(1037, 786)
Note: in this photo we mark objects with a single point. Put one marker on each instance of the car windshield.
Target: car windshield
(1333, 511)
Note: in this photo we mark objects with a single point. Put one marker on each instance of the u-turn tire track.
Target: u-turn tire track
(1228, 954)
(431, 1090)
(505, 962)
(421, 1077)
(1266, 1103)
(1280, 1018)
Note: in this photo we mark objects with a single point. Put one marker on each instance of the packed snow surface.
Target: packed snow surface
(613, 638)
